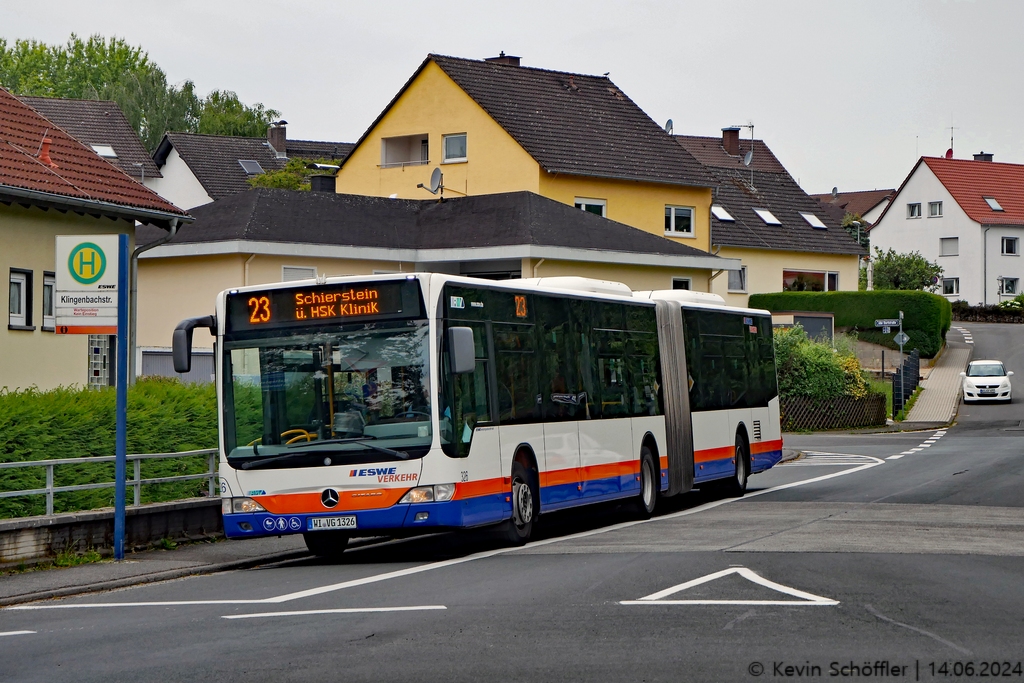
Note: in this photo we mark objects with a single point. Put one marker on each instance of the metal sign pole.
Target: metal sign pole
(903, 370)
(121, 439)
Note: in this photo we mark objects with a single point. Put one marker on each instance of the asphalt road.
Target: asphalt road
(846, 558)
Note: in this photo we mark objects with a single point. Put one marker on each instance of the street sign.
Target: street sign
(887, 322)
(85, 284)
(901, 338)
(886, 330)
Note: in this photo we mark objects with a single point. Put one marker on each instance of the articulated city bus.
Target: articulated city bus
(390, 404)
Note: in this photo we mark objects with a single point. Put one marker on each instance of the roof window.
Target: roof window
(251, 166)
(814, 221)
(767, 217)
(105, 151)
(992, 203)
(721, 214)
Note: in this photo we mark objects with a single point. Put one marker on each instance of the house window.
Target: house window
(993, 203)
(595, 206)
(48, 285)
(1011, 247)
(914, 210)
(738, 280)
(250, 166)
(1009, 286)
(809, 281)
(20, 308)
(721, 214)
(950, 286)
(814, 221)
(454, 148)
(681, 283)
(404, 150)
(679, 221)
(767, 216)
(292, 273)
(934, 209)
(949, 246)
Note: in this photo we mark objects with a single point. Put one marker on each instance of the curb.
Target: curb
(789, 455)
(152, 578)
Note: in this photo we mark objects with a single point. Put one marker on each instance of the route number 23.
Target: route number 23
(259, 309)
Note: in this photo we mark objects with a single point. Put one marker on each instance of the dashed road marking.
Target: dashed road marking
(16, 633)
(968, 338)
(895, 457)
(927, 443)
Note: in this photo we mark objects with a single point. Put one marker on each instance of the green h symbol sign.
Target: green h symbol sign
(87, 263)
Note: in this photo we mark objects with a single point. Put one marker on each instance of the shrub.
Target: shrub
(164, 416)
(927, 316)
(814, 369)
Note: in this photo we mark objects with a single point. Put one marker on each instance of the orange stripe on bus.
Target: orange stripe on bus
(709, 454)
(484, 487)
(560, 477)
(366, 499)
(766, 446)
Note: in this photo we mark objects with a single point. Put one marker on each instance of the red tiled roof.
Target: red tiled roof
(858, 203)
(78, 172)
(971, 181)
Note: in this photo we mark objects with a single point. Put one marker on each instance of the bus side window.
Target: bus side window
(516, 366)
(465, 401)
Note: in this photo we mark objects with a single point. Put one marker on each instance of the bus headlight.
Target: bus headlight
(429, 494)
(240, 505)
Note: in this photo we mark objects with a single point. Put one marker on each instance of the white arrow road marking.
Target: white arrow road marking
(867, 460)
(348, 610)
(806, 599)
(16, 633)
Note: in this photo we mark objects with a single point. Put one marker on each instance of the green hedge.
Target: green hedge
(926, 320)
(164, 416)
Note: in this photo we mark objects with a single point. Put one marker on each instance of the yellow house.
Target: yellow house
(784, 238)
(494, 126)
(51, 184)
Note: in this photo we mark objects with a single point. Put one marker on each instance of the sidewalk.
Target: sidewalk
(147, 567)
(938, 402)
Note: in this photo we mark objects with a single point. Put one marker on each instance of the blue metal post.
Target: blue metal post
(121, 444)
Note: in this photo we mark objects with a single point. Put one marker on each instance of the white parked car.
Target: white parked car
(986, 380)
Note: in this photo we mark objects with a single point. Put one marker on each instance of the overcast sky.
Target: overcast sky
(846, 94)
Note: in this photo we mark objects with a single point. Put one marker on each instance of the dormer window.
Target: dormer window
(251, 166)
(992, 203)
(105, 151)
(767, 216)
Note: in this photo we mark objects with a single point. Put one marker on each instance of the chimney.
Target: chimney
(503, 59)
(44, 153)
(322, 183)
(731, 140)
(983, 156)
(277, 136)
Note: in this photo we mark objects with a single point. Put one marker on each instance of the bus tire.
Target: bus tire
(736, 485)
(326, 544)
(649, 477)
(518, 529)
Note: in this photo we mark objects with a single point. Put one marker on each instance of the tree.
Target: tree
(111, 69)
(857, 227)
(294, 175)
(904, 271)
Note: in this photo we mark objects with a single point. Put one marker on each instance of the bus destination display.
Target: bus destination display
(322, 303)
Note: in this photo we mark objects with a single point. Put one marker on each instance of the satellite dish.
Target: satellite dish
(835, 192)
(748, 157)
(435, 180)
(949, 153)
(668, 127)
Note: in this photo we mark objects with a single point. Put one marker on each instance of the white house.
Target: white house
(966, 215)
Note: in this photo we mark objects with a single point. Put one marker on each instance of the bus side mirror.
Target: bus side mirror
(181, 341)
(461, 350)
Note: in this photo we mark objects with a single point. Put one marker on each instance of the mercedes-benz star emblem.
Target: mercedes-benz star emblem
(329, 498)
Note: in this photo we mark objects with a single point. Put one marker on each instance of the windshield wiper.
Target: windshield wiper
(358, 441)
(253, 464)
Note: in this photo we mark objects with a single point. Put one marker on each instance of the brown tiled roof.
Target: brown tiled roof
(858, 203)
(710, 152)
(77, 172)
(772, 189)
(317, 149)
(98, 122)
(570, 123)
(214, 159)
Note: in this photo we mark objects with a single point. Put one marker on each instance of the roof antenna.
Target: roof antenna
(949, 152)
(749, 156)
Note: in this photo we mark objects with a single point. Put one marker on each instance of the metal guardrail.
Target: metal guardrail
(137, 482)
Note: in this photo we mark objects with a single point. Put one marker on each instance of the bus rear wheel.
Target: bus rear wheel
(737, 484)
(519, 528)
(648, 497)
(326, 544)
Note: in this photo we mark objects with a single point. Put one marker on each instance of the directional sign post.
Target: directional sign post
(91, 283)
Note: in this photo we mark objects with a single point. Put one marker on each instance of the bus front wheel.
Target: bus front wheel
(326, 544)
(519, 528)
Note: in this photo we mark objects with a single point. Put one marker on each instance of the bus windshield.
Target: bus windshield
(353, 393)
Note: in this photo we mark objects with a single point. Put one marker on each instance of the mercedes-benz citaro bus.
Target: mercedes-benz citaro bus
(395, 404)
